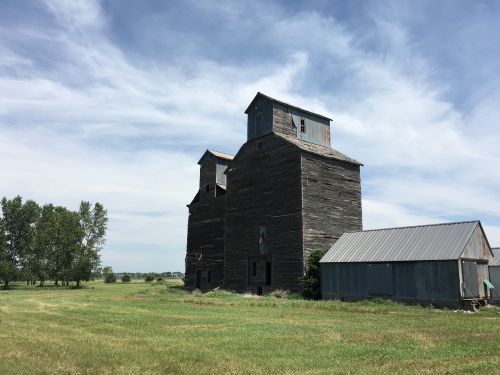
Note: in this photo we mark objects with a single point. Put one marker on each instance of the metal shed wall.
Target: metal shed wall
(422, 281)
(495, 280)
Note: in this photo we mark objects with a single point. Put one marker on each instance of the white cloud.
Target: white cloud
(102, 125)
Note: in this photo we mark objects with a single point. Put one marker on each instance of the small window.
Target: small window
(302, 122)
(254, 269)
(209, 276)
(262, 240)
(207, 188)
(259, 145)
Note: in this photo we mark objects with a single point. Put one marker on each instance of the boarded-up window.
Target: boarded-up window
(262, 240)
(380, 279)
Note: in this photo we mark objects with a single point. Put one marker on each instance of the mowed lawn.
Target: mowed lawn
(144, 328)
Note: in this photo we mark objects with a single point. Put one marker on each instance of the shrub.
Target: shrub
(110, 278)
(159, 278)
(126, 278)
(149, 278)
(108, 275)
(310, 282)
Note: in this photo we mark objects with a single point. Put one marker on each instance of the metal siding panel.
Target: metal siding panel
(419, 281)
(380, 279)
(495, 280)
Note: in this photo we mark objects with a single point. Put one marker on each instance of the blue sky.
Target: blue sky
(115, 101)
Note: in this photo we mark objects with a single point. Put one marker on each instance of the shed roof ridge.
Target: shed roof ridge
(415, 226)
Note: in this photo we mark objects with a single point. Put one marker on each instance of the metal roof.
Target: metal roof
(495, 259)
(318, 149)
(425, 242)
(286, 104)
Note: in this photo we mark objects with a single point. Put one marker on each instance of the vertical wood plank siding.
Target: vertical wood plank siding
(331, 201)
(264, 190)
(205, 242)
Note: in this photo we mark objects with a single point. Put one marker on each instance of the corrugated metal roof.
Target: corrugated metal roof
(318, 149)
(284, 103)
(495, 259)
(426, 242)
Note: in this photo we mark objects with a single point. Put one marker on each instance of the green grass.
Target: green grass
(150, 328)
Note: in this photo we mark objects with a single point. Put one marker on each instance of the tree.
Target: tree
(66, 233)
(12, 233)
(29, 254)
(93, 223)
(7, 265)
(45, 243)
(311, 281)
(126, 278)
(108, 275)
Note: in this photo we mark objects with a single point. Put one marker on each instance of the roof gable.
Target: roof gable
(259, 94)
(217, 154)
(426, 242)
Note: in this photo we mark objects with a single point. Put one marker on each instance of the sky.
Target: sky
(115, 101)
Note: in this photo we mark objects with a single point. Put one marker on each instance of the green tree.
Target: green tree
(13, 238)
(45, 243)
(93, 223)
(30, 255)
(8, 269)
(65, 230)
(311, 288)
(108, 275)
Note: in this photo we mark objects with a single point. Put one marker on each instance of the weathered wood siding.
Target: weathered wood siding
(208, 171)
(282, 121)
(264, 191)
(205, 242)
(331, 201)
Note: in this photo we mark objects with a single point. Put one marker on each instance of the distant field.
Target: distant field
(144, 328)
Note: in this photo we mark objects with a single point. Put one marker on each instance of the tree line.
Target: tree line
(40, 243)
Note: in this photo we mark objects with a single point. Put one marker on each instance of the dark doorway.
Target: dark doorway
(268, 273)
(259, 290)
(198, 279)
(471, 283)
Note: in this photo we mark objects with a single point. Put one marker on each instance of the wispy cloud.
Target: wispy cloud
(115, 103)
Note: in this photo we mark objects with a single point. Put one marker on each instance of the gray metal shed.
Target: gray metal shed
(443, 264)
(494, 267)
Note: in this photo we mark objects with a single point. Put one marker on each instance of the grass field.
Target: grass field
(141, 328)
